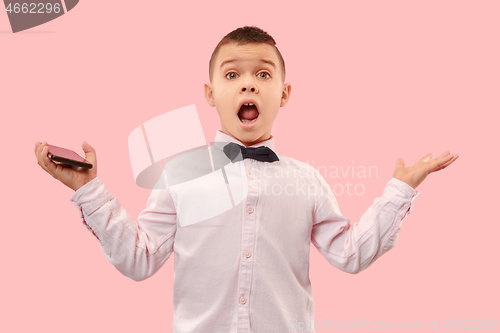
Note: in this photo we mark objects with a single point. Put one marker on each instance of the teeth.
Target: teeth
(247, 104)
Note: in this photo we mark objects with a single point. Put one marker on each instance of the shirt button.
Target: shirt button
(243, 300)
(248, 254)
(249, 176)
(250, 210)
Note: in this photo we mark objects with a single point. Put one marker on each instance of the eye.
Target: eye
(264, 75)
(231, 75)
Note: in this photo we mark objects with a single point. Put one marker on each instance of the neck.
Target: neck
(247, 144)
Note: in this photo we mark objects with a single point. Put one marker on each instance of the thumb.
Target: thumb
(90, 154)
(400, 163)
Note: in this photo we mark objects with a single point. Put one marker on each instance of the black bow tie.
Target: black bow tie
(262, 153)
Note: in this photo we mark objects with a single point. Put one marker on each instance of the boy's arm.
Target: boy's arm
(137, 250)
(352, 247)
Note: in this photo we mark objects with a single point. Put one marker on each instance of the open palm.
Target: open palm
(414, 175)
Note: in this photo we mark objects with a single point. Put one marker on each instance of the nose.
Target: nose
(249, 85)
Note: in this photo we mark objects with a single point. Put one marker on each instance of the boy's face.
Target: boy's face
(242, 74)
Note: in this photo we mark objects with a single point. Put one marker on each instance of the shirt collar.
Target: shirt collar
(221, 139)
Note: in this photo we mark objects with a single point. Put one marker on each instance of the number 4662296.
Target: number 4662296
(479, 324)
(33, 8)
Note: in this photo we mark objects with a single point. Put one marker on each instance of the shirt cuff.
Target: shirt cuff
(91, 196)
(404, 191)
(88, 199)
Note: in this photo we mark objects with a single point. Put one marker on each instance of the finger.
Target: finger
(444, 155)
(400, 163)
(37, 152)
(37, 144)
(39, 155)
(442, 160)
(426, 158)
(90, 154)
(48, 164)
(42, 155)
(447, 163)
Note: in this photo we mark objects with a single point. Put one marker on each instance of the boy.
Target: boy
(245, 270)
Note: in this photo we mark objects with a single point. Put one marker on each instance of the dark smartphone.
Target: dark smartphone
(66, 156)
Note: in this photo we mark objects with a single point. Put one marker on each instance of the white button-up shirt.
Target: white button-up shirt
(247, 268)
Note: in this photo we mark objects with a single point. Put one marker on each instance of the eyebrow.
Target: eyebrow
(261, 60)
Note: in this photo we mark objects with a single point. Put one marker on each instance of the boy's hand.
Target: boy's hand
(71, 176)
(416, 174)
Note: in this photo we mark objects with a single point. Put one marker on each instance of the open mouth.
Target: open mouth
(248, 113)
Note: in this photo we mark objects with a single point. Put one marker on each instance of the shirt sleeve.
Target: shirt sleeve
(353, 247)
(137, 250)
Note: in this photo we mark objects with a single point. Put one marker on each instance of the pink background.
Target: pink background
(371, 81)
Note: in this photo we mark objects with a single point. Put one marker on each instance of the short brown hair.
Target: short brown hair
(242, 36)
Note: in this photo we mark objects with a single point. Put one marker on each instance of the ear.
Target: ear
(285, 95)
(209, 94)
